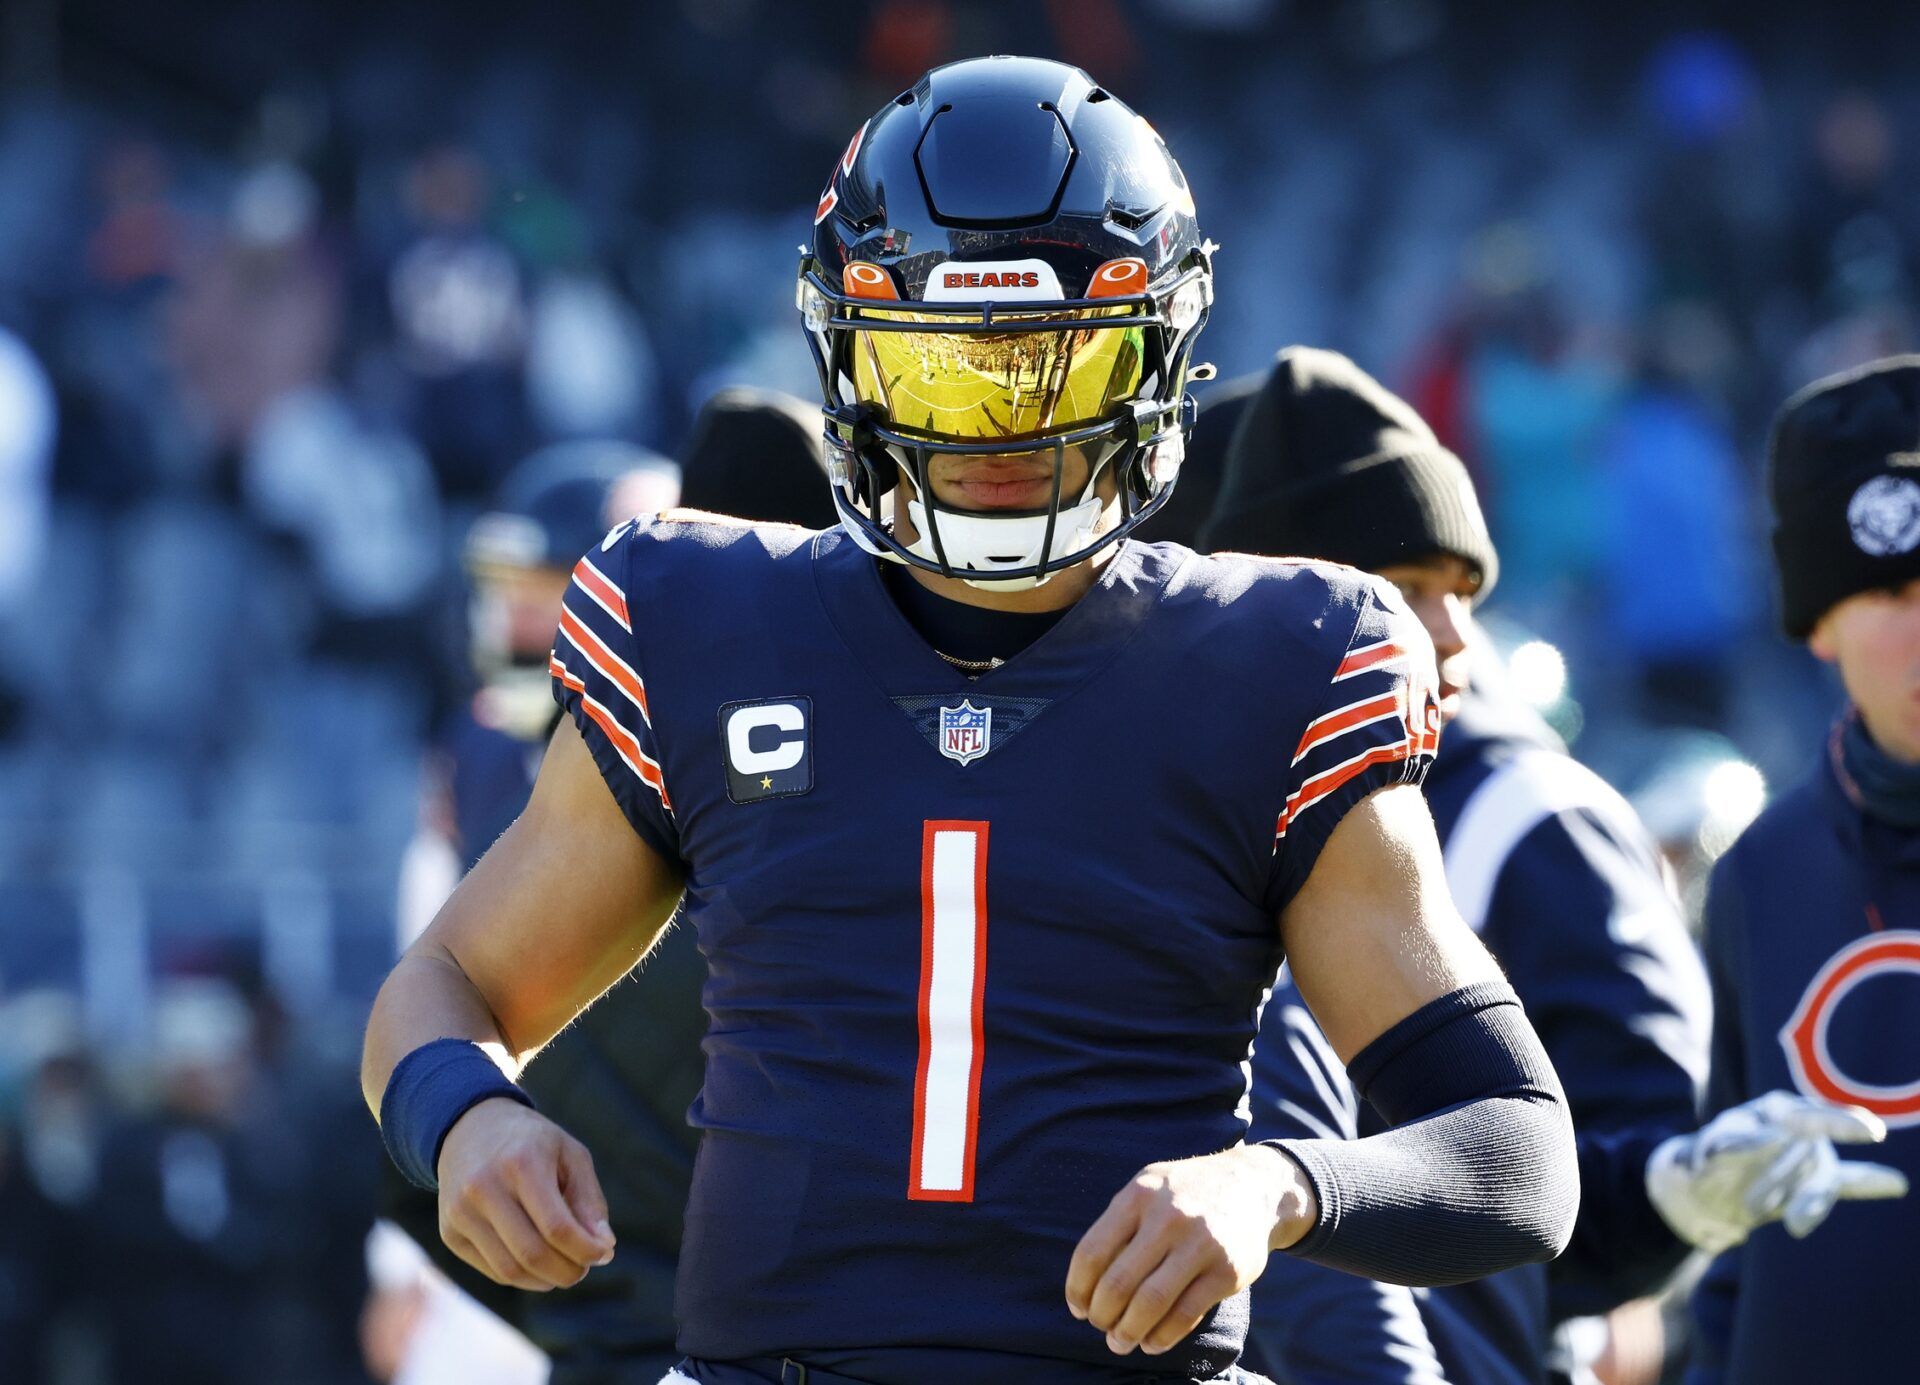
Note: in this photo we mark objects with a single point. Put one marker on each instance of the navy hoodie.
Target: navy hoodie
(1813, 945)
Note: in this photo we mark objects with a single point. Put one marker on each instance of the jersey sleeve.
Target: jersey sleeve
(597, 680)
(1379, 725)
(1618, 996)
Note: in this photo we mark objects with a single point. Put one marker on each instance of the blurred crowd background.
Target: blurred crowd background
(285, 288)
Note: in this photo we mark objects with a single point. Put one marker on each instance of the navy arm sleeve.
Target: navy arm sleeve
(1477, 1173)
(1310, 1325)
(1593, 941)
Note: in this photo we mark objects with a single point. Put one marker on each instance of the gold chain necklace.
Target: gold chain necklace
(973, 668)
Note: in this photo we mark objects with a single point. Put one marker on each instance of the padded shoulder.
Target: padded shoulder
(1309, 604)
(703, 528)
(669, 549)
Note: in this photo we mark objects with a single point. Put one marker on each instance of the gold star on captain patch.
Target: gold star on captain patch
(766, 781)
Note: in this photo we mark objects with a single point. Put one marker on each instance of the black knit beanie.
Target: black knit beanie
(1843, 475)
(755, 454)
(1327, 463)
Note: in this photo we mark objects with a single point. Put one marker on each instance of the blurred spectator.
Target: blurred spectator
(46, 1172)
(1537, 399)
(589, 364)
(1850, 249)
(1674, 511)
(60, 1104)
(254, 313)
(460, 316)
(356, 498)
(208, 1213)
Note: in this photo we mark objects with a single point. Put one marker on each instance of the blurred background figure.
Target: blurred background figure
(221, 1204)
(756, 454)
(1545, 862)
(621, 1077)
(49, 1170)
(554, 507)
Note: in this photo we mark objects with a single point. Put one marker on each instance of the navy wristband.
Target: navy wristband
(430, 1089)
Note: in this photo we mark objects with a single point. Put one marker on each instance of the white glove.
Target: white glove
(1772, 1159)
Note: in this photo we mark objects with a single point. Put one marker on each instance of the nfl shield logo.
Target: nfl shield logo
(966, 732)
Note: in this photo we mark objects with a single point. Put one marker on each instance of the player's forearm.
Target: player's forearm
(1478, 1174)
(426, 997)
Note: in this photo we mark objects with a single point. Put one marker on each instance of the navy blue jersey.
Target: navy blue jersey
(1554, 871)
(978, 949)
(1813, 944)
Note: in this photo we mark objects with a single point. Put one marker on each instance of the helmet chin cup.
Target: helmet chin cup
(1024, 547)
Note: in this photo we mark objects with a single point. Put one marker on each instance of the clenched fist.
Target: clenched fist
(1182, 1236)
(519, 1200)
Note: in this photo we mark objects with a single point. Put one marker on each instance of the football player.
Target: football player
(992, 826)
(1547, 863)
(1813, 932)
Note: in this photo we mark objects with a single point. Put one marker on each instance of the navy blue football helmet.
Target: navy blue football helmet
(1005, 261)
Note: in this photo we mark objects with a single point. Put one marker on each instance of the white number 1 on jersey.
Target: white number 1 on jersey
(953, 974)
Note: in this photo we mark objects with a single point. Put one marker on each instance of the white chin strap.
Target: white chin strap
(984, 544)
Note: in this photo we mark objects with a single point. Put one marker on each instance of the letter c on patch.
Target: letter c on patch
(779, 716)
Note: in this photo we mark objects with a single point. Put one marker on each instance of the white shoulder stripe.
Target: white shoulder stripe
(1316, 739)
(1516, 798)
(616, 607)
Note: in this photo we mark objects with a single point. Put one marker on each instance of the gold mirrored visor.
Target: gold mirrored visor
(981, 386)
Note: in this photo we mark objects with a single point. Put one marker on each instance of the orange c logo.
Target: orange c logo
(1804, 1036)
